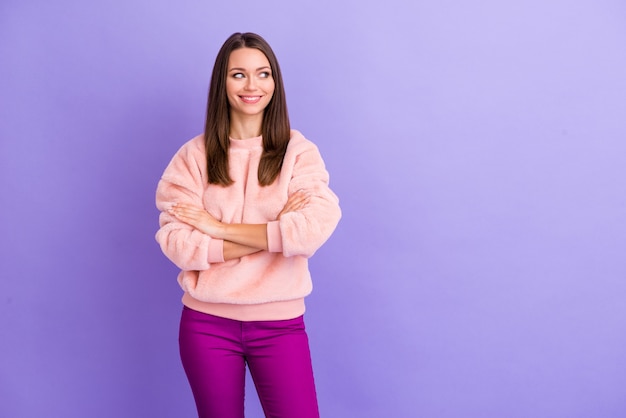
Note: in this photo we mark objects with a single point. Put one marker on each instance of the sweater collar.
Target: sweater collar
(248, 143)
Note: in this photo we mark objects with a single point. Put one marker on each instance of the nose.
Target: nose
(250, 83)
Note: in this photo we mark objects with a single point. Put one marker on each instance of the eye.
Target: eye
(265, 74)
(238, 75)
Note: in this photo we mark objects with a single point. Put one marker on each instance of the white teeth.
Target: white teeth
(250, 99)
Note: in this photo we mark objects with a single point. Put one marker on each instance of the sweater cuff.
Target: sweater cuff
(274, 239)
(216, 251)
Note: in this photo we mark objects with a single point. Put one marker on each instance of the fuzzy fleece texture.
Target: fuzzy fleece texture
(267, 285)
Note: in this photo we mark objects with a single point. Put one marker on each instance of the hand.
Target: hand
(198, 218)
(296, 201)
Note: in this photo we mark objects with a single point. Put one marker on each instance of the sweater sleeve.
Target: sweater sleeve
(182, 182)
(304, 231)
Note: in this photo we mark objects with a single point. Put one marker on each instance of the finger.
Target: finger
(296, 205)
(298, 198)
(291, 206)
(183, 213)
(184, 208)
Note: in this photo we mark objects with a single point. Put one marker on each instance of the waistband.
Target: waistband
(271, 311)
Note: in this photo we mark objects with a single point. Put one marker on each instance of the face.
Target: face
(249, 83)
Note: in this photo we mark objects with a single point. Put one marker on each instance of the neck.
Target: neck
(243, 128)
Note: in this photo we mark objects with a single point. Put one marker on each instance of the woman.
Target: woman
(243, 206)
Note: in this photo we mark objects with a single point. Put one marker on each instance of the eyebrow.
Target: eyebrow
(243, 69)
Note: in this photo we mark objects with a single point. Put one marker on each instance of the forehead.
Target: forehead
(251, 58)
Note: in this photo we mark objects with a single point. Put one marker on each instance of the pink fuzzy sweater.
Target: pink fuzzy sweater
(267, 285)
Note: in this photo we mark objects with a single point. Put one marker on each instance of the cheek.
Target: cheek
(231, 88)
(231, 101)
(231, 96)
(270, 91)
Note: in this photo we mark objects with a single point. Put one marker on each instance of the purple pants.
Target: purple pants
(215, 351)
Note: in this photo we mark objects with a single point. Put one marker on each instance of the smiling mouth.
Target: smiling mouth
(250, 99)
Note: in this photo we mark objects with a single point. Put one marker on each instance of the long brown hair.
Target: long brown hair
(275, 127)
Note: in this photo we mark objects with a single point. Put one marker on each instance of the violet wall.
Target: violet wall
(479, 152)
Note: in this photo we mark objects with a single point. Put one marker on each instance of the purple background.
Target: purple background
(479, 152)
